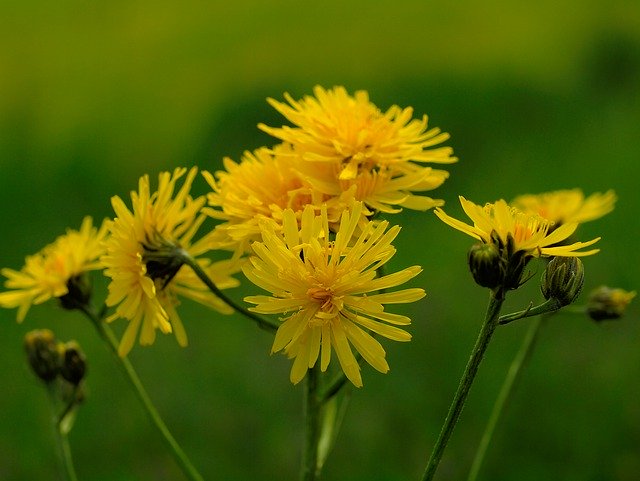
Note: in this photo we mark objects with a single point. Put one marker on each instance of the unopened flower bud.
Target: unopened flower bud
(607, 303)
(73, 365)
(562, 279)
(42, 354)
(487, 265)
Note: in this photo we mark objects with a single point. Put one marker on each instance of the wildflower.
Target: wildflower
(606, 303)
(262, 185)
(329, 291)
(349, 141)
(567, 206)
(517, 235)
(145, 254)
(57, 271)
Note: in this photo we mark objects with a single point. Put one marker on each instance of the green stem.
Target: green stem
(512, 377)
(62, 440)
(266, 324)
(107, 335)
(548, 306)
(312, 406)
(457, 405)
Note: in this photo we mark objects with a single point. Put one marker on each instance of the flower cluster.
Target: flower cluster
(340, 149)
(300, 218)
(302, 209)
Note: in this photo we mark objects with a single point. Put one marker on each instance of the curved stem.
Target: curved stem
(266, 324)
(310, 470)
(107, 335)
(457, 405)
(62, 440)
(512, 377)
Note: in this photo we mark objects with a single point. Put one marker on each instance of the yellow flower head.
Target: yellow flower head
(144, 259)
(512, 238)
(330, 290)
(567, 206)
(528, 233)
(262, 185)
(48, 273)
(362, 146)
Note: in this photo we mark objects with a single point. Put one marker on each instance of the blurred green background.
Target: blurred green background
(537, 97)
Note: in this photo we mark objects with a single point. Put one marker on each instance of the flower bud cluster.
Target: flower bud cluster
(50, 359)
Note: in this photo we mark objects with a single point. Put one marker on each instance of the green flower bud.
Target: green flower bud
(74, 365)
(42, 353)
(486, 264)
(562, 279)
(607, 303)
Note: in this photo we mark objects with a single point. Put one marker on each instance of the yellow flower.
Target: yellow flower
(330, 291)
(348, 141)
(48, 273)
(527, 233)
(144, 259)
(262, 185)
(567, 206)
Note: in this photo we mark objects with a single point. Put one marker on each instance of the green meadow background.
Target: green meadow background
(537, 96)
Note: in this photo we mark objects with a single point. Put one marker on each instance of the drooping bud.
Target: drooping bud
(42, 354)
(606, 303)
(562, 279)
(487, 265)
(73, 363)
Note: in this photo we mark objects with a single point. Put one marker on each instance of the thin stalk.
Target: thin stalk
(62, 440)
(266, 324)
(107, 335)
(550, 305)
(310, 470)
(510, 381)
(460, 397)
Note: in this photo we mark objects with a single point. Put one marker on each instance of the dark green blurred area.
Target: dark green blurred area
(536, 97)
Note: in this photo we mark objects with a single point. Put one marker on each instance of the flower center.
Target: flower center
(330, 304)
